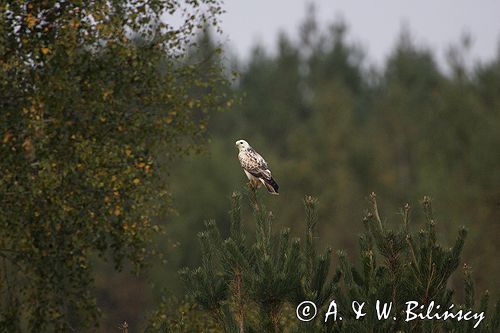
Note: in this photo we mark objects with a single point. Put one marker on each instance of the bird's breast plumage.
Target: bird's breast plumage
(251, 160)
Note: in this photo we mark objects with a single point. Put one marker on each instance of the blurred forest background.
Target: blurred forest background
(331, 126)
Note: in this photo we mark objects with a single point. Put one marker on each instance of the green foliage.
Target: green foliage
(91, 94)
(399, 266)
(255, 286)
(234, 274)
(184, 316)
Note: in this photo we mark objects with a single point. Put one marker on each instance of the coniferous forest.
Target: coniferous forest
(122, 198)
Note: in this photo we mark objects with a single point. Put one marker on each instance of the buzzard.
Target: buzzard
(255, 167)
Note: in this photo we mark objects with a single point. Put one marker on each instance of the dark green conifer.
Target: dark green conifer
(255, 286)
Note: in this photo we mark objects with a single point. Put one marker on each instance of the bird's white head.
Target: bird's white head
(242, 144)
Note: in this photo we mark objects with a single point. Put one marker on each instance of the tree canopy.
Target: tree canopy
(91, 94)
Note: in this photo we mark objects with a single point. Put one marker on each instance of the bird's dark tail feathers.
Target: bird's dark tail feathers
(271, 186)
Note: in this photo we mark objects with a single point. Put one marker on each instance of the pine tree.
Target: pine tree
(398, 266)
(234, 275)
(255, 286)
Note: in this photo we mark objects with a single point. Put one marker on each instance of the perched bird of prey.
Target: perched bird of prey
(255, 167)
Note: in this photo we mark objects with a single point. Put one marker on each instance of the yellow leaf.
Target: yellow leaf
(45, 50)
(27, 145)
(31, 20)
(7, 137)
(136, 181)
(75, 24)
(118, 211)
